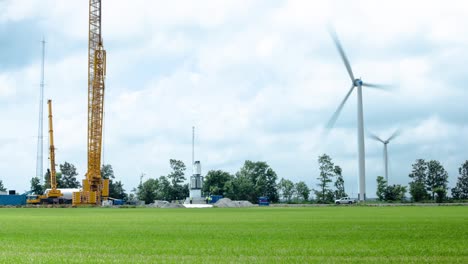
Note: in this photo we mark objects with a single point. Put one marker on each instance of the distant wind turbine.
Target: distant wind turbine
(355, 83)
(385, 142)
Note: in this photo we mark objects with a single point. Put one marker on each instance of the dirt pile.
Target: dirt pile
(226, 202)
(165, 204)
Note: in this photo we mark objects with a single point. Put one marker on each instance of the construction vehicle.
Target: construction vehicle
(52, 195)
(94, 188)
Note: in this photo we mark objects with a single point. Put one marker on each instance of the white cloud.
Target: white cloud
(259, 79)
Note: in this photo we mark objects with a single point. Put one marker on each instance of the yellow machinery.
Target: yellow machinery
(52, 196)
(95, 189)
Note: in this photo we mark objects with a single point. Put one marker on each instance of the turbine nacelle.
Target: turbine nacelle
(358, 82)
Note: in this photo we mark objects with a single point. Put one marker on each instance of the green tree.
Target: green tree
(2, 188)
(163, 189)
(177, 177)
(339, 183)
(326, 167)
(394, 192)
(389, 193)
(286, 187)
(68, 179)
(441, 193)
(147, 191)
(116, 189)
(437, 177)
(215, 182)
(262, 177)
(36, 186)
(241, 188)
(107, 172)
(460, 191)
(381, 188)
(418, 184)
(302, 191)
(58, 179)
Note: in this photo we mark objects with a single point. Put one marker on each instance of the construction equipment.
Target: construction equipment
(52, 195)
(95, 189)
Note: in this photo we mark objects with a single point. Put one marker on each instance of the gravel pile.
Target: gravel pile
(226, 202)
(164, 204)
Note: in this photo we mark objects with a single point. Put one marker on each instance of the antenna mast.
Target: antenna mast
(40, 136)
(193, 147)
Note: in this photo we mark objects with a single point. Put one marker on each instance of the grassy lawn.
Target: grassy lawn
(251, 235)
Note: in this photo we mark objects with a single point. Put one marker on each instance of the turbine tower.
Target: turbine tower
(385, 154)
(358, 84)
(40, 136)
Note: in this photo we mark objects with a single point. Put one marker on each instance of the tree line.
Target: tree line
(428, 182)
(66, 178)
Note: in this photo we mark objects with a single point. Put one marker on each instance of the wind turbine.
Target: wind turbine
(358, 84)
(385, 142)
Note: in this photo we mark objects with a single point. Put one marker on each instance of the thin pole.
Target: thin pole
(40, 136)
(362, 165)
(193, 147)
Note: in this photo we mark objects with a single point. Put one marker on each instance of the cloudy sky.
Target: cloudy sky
(258, 79)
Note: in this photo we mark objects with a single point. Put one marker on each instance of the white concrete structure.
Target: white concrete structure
(196, 181)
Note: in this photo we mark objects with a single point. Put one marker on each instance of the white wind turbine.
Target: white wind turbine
(385, 142)
(358, 84)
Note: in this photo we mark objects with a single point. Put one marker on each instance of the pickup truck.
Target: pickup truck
(345, 200)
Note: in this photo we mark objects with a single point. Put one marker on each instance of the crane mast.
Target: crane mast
(53, 193)
(95, 189)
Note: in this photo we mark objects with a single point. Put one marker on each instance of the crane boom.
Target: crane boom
(94, 187)
(51, 196)
(53, 175)
(53, 193)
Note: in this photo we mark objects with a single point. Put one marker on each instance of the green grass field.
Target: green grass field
(251, 235)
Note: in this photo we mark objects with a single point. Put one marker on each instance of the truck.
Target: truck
(345, 200)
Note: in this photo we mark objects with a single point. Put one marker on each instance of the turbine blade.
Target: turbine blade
(342, 53)
(335, 115)
(376, 137)
(394, 135)
(378, 86)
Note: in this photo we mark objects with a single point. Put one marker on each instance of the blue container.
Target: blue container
(215, 198)
(13, 200)
(263, 201)
(118, 202)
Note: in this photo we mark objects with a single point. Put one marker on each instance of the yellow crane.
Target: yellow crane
(51, 196)
(95, 189)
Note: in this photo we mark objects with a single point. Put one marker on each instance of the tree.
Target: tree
(36, 186)
(241, 188)
(176, 177)
(460, 192)
(215, 182)
(302, 190)
(389, 193)
(418, 184)
(58, 180)
(116, 189)
(2, 188)
(437, 177)
(440, 194)
(286, 188)
(381, 188)
(107, 172)
(147, 191)
(326, 167)
(163, 189)
(394, 192)
(339, 183)
(263, 179)
(68, 179)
